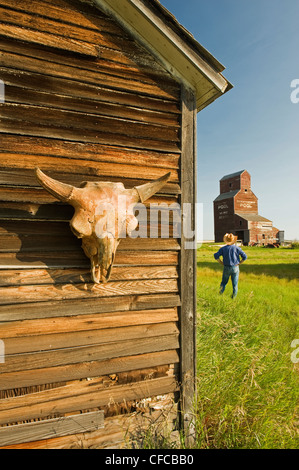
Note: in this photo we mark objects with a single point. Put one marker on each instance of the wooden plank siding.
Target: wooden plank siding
(85, 102)
(117, 429)
(48, 429)
(91, 394)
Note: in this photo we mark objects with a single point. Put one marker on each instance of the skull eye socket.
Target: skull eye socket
(77, 234)
(80, 225)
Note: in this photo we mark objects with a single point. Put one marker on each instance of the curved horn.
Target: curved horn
(147, 190)
(62, 191)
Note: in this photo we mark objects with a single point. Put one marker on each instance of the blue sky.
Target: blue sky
(255, 126)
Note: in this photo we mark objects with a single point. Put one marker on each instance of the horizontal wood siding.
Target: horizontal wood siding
(48, 429)
(116, 428)
(92, 394)
(84, 102)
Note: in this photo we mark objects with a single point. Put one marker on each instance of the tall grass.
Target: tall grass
(247, 384)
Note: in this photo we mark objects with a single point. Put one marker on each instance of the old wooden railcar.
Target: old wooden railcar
(236, 211)
(104, 90)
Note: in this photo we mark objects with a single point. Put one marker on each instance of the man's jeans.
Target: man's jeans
(233, 272)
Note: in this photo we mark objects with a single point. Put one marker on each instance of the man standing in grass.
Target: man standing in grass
(231, 260)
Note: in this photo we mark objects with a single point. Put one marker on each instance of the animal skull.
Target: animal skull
(103, 215)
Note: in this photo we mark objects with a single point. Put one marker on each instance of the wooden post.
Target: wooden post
(188, 267)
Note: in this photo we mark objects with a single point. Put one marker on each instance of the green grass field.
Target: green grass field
(248, 385)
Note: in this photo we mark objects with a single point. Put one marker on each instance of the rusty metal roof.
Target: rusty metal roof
(252, 217)
(228, 195)
(232, 175)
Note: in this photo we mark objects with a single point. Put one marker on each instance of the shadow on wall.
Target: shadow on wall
(44, 245)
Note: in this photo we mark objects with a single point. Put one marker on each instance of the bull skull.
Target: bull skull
(103, 215)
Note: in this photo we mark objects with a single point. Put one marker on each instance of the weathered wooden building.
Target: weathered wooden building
(105, 90)
(236, 211)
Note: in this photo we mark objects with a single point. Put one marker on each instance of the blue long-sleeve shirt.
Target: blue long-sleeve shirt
(231, 255)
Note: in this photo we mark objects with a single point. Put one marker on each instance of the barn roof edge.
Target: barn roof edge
(184, 57)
